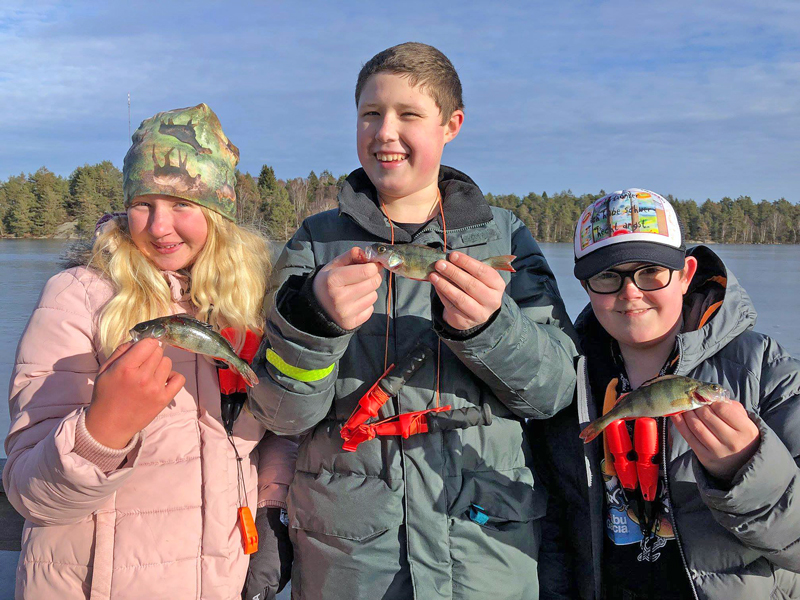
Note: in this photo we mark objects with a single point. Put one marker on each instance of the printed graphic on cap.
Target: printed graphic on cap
(628, 212)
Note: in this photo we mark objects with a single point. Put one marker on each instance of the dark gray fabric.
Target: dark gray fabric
(271, 567)
(392, 519)
(740, 543)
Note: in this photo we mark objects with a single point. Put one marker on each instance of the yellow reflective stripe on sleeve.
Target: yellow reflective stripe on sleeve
(304, 375)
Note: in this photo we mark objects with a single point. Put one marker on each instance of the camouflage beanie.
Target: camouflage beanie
(183, 153)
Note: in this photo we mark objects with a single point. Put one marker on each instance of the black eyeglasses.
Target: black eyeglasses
(647, 278)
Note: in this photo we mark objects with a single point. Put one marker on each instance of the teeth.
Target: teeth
(383, 157)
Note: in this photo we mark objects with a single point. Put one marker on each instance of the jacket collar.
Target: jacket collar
(462, 200)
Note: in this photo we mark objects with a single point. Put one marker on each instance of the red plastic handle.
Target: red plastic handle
(619, 444)
(645, 435)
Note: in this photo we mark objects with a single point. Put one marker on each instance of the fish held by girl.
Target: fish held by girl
(187, 333)
(661, 397)
(416, 261)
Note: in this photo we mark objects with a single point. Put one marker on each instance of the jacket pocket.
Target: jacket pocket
(349, 506)
(499, 500)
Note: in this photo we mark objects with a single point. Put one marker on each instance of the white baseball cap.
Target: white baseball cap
(628, 226)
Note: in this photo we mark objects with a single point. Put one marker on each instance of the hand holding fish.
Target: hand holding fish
(470, 290)
(346, 288)
(132, 387)
(722, 436)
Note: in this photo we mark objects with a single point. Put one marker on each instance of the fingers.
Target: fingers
(472, 285)
(174, 384)
(162, 370)
(121, 349)
(699, 431)
(150, 364)
(454, 317)
(703, 453)
(483, 272)
(733, 414)
(139, 353)
(456, 297)
(355, 273)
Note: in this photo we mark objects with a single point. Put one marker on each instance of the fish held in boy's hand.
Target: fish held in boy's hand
(660, 397)
(187, 333)
(416, 261)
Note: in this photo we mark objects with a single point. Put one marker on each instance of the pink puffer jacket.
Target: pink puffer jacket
(164, 524)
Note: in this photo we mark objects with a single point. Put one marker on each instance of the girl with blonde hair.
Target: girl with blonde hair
(132, 470)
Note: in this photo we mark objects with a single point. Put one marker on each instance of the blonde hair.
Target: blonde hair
(228, 280)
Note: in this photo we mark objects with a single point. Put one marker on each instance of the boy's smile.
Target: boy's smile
(400, 138)
(637, 318)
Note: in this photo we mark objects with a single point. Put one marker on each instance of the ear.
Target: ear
(689, 270)
(453, 125)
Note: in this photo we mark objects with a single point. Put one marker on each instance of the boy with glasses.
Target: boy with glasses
(721, 516)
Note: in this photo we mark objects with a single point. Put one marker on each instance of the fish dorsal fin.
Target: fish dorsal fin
(189, 318)
(660, 378)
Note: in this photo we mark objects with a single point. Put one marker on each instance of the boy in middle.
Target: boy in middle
(448, 506)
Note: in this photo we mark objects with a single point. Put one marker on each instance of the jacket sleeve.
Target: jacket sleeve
(525, 354)
(762, 505)
(46, 481)
(296, 369)
(276, 462)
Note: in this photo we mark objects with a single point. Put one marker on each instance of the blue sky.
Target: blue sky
(697, 99)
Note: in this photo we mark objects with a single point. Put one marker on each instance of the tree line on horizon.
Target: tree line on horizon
(38, 204)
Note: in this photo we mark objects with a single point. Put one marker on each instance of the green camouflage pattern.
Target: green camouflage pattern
(183, 153)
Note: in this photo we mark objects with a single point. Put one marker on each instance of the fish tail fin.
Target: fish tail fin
(249, 375)
(591, 431)
(501, 263)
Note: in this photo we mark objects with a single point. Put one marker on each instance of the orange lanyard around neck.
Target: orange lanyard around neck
(389, 294)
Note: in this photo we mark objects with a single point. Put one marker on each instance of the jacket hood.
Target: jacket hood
(76, 254)
(716, 309)
(462, 200)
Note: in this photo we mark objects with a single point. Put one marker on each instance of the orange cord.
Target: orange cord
(389, 297)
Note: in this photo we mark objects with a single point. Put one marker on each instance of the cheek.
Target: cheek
(138, 231)
(200, 231)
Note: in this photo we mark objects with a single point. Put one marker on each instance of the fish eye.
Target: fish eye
(381, 249)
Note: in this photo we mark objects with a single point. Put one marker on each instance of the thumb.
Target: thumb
(354, 256)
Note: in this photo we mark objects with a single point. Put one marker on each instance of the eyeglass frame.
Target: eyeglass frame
(631, 274)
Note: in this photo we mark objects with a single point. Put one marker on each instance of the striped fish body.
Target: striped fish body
(416, 261)
(187, 333)
(661, 397)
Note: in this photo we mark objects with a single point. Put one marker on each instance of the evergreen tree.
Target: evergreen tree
(51, 194)
(19, 216)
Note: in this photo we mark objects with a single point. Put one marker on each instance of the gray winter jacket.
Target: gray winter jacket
(738, 543)
(392, 520)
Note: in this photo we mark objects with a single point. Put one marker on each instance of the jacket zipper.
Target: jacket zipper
(583, 412)
(666, 484)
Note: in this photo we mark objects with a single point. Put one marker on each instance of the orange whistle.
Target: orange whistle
(249, 531)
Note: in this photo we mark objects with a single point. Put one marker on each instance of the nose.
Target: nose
(160, 221)
(387, 130)
(629, 290)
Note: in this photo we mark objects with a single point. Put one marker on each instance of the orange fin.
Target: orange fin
(501, 263)
(590, 432)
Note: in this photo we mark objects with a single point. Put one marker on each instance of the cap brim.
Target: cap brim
(629, 252)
